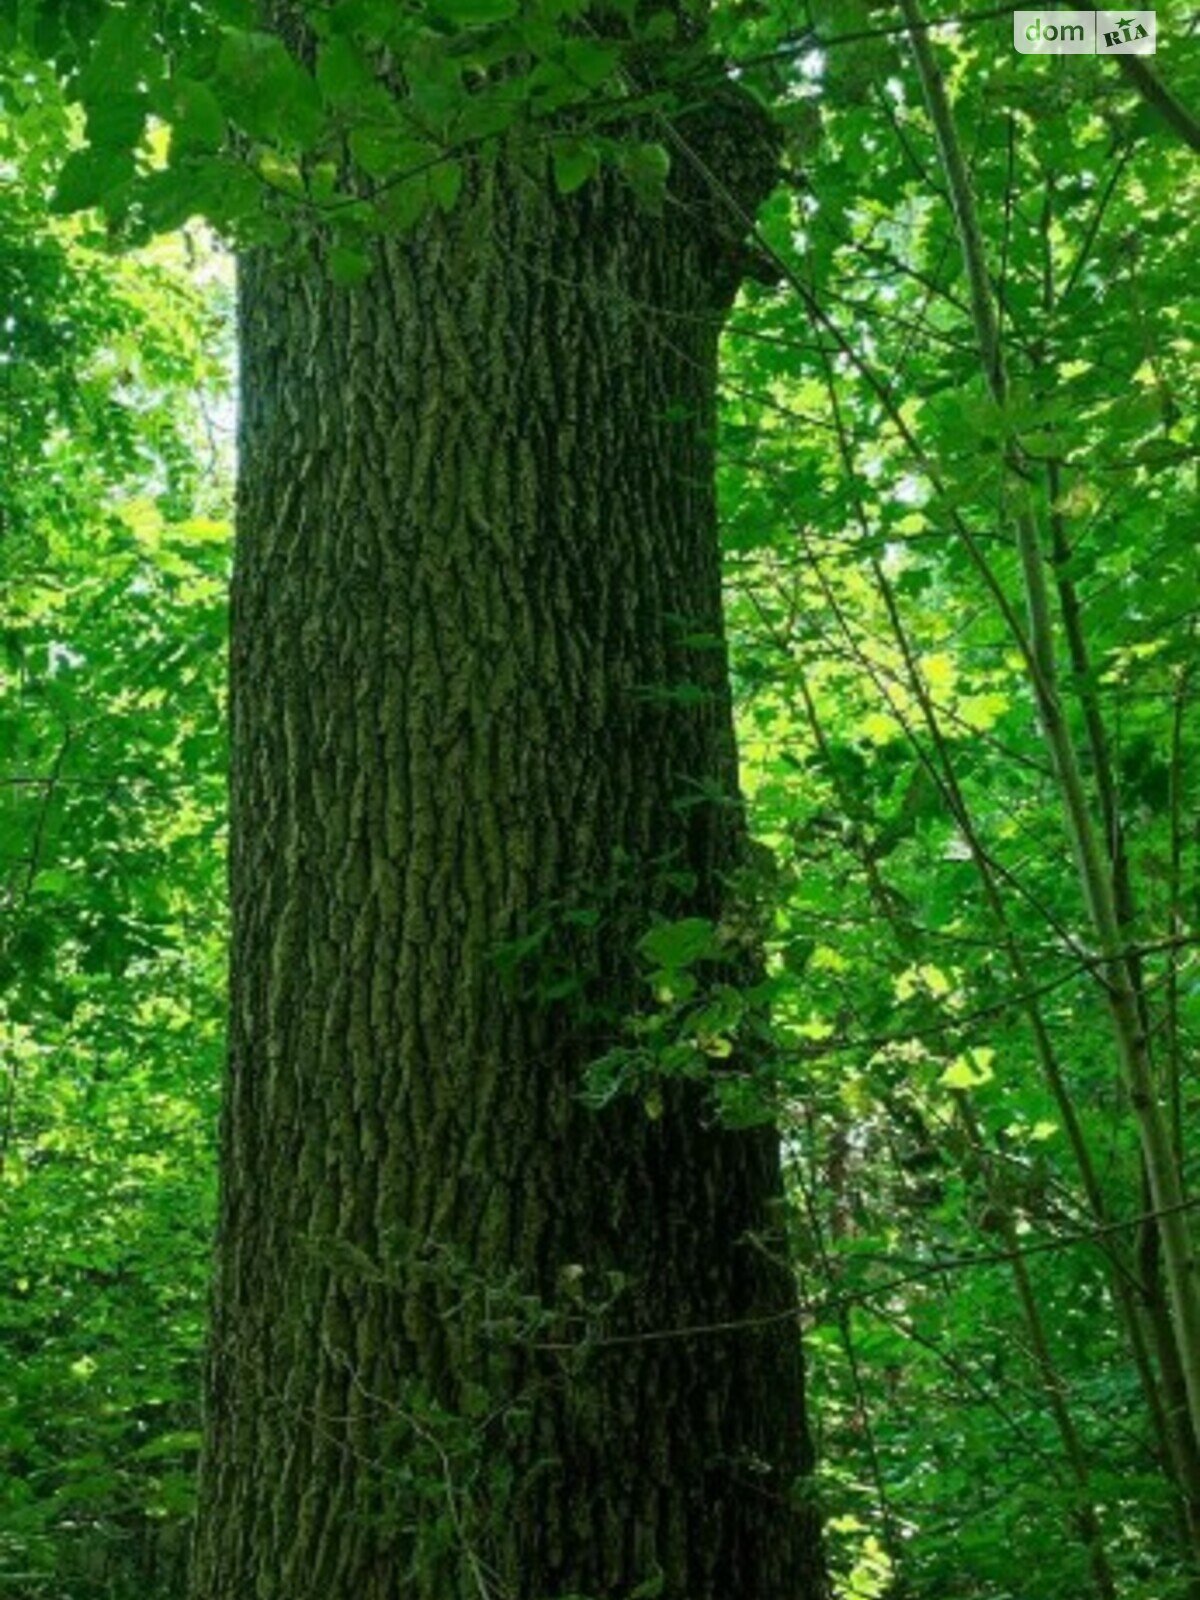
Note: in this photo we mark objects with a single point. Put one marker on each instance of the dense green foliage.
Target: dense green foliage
(937, 996)
(895, 768)
(112, 576)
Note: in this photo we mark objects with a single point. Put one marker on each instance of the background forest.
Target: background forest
(998, 1409)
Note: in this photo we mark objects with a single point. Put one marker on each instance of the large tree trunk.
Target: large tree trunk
(477, 566)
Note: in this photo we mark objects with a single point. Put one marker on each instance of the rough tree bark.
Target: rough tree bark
(476, 542)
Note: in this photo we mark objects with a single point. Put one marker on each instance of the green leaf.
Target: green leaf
(343, 74)
(404, 204)
(117, 121)
(169, 1445)
(574, 163)
(590, 62)
(475, 13)
(374, 20)
(387, 152)
(266, 91)
(347, 266)
(678, 944)
(650, 1588)
(169, 198)
(90, 177)
(658, 27)
(646, 167)
(968, 1071)
(445, 183)
(194, 112)
(123, 55)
